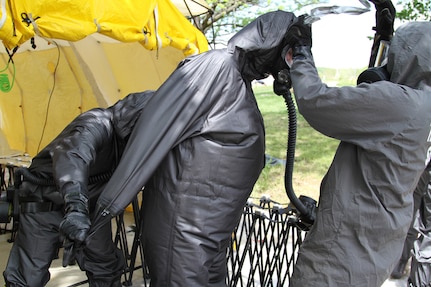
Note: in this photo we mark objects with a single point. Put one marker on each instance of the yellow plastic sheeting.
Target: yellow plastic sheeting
(89, 53)
(153, 23)
(56, 82)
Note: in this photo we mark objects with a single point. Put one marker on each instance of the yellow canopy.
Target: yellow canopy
(87, 54)
(153, 23)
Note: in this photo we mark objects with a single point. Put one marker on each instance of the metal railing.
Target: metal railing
(264, 245)
(263, 249)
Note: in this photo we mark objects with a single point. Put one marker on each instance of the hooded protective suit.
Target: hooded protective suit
(90, 145)
(365, 206)
(199, 148)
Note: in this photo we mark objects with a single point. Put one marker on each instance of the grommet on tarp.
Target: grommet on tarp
(27, 18)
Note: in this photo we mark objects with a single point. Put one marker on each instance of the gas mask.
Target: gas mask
(282, 82)
(281, 73)
(379, 71)
(373, 74)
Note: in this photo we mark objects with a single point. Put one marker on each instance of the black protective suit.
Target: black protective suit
(91, 145)
(199, 148)
(412, 235)
(366, 198)
(421, 198)
(420, 271)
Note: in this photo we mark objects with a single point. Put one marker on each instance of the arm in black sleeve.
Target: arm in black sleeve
(385, 17)
(75, 150)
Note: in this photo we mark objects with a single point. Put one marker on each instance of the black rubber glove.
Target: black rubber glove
(68, 253)
(76, 222)
(385, 17)
(299, 34)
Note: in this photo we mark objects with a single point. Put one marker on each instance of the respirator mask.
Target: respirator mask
(282, 83)
(379, 72)
(280, 71)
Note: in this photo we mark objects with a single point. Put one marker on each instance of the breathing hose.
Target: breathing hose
(305, 205)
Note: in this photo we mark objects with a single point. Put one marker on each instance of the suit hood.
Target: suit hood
(409, 57)
(260, 43)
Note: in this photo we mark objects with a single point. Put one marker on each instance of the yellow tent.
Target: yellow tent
(74, 55)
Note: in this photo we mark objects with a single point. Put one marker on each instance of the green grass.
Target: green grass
(313, 151)
(339, 77)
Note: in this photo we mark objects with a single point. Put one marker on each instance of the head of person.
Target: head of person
(409, 56)
(260, 44)
(126, 112)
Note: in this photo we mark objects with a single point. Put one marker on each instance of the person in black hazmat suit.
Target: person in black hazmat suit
(198, 148)
(366, 197)
(420, 271)
(90, 146)
(422, 212)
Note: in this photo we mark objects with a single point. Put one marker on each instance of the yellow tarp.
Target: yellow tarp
(88, 54)
(154, 23)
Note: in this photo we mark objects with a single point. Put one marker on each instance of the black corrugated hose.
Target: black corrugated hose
(305, 205)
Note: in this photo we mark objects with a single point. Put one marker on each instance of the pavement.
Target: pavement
(396, 282)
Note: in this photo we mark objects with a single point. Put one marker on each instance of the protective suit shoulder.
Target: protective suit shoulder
(77, 147)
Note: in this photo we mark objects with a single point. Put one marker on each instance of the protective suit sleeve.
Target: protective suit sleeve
(169, 116)
(358, 115)
(76, 149)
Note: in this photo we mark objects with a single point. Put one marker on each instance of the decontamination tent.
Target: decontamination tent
(74, 55)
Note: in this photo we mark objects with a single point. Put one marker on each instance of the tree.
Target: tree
(415, 10)
(229, 16)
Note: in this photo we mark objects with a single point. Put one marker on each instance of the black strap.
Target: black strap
(36, 207)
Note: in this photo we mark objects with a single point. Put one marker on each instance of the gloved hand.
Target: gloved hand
(74, 227)
(68, 253)
(76, 222)
(385, 17)
(299, 34)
